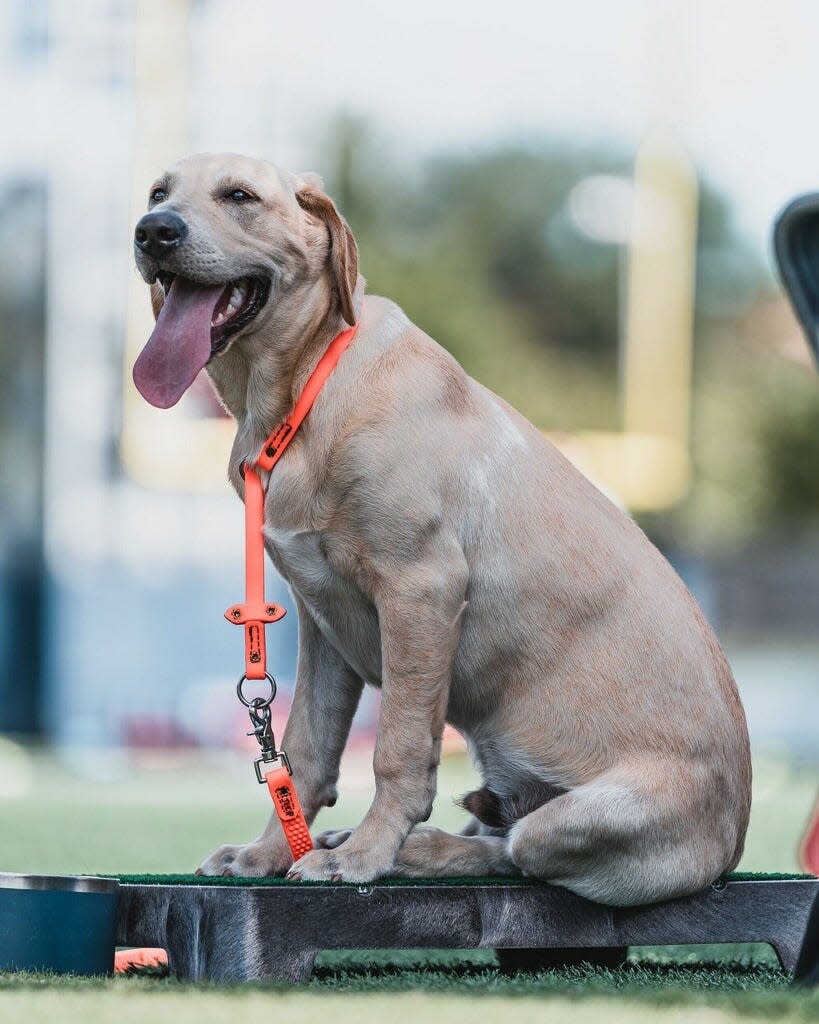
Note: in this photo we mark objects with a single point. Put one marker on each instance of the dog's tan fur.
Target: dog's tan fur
(439, 547)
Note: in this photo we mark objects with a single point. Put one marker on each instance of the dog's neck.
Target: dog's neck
(259, 377)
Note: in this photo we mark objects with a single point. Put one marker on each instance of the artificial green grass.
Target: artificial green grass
(162, 815)
(437, 971)
(428, 985)
(191, 879)
(765, 876)
(286, 882)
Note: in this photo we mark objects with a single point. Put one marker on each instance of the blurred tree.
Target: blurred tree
(483, 252)
(476, 251)
(510, 208)
(789, 438)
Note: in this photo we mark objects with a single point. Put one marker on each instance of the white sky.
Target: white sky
(737, 78)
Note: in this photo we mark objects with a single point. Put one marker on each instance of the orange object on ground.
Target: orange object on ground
(256, 611)
(809, 848)
(126, 959)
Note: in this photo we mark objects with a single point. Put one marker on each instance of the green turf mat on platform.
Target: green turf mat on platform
(738, 876)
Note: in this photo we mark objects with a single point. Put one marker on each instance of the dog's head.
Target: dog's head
(225, 240)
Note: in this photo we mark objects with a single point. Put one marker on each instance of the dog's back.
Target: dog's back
(583, 658)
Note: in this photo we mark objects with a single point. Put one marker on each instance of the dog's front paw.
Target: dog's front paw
(340, 865)
(256, 860)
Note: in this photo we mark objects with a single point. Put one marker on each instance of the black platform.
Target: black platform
(230, 930)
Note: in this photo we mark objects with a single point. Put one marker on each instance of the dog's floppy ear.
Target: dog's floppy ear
(157, 299)
(343, 252)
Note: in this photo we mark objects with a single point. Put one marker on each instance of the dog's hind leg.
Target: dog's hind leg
(635, 835)
(432, 853)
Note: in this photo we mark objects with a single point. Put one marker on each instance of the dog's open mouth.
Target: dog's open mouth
(238, 304)
(195, 324)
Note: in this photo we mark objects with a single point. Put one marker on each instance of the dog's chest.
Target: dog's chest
(319, 576)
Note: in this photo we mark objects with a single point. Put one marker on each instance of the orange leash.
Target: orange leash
(272, 766)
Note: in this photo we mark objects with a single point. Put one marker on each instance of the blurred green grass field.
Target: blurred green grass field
(107, 812)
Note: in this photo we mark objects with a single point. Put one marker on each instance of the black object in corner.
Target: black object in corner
(796, 248)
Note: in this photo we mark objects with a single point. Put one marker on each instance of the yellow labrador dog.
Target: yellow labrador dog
(439, 548)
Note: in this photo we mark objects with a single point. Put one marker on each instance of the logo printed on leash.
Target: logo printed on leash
(254, 638)
(286, 804)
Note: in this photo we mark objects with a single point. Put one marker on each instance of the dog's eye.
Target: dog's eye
(238, 195)
(158, 195)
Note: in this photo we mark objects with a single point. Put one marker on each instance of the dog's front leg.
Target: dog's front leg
(419, 610)
(324, 702)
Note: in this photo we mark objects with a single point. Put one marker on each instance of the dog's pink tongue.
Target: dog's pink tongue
(180, 344)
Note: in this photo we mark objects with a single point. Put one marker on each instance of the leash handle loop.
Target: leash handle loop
(286, 801)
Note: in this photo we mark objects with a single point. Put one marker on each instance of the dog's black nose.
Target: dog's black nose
(159, 232)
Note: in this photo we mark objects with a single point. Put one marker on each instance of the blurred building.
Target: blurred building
(24, 46)
(120, 540)
(113, 589)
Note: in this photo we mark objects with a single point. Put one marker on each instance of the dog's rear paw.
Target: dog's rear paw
(332, 838)
(256, 860)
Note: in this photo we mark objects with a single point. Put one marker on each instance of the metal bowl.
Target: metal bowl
(60, 923)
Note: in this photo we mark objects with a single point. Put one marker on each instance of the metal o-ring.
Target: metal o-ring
(256, 702)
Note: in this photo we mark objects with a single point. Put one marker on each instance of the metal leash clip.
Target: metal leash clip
(259, 710)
